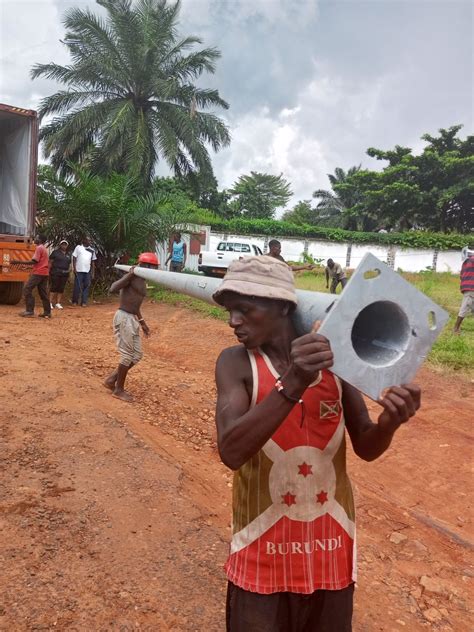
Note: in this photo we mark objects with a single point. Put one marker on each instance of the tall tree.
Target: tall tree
(204, 191)
(433, 190)
(111, 210)
(335, 206)
(258, 195)
(130, 97)
(301, 213)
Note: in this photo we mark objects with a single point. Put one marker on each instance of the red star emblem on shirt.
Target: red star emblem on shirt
(305, 469)
(289, 499)
(322, 497)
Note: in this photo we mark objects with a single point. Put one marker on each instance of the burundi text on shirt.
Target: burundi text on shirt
(285, 548)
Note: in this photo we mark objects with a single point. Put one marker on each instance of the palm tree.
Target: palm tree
(110, 209)
(334, 204)
(130, 99)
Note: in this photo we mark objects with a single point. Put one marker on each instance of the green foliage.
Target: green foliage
(202, 188)
(301, 213)
(258, 195)
(333, 206)
(432, 191)
(111, 209)
(130, 99)
(314, 261)
(455, 352)
(275, 228)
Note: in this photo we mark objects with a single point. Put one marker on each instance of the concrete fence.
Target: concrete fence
(349, 255)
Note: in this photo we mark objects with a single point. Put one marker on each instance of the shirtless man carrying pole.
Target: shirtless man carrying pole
(127, 321)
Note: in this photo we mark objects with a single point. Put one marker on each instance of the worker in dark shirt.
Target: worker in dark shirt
(59, 266)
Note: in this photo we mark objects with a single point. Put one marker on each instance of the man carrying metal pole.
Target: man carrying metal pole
(127, 321)
(281, 417)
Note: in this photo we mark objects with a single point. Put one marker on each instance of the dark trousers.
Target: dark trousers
(80, 293)
(176, 266)
(40, 282)
(335, 282)
(321, 611)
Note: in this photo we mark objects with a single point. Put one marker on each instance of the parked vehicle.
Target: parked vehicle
(18, 162)
(216, 263)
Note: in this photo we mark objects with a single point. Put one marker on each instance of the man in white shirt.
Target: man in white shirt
(83, 263)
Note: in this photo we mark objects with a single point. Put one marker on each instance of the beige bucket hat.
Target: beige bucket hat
(265, 277)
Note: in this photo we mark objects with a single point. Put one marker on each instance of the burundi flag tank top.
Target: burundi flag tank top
(293, 509)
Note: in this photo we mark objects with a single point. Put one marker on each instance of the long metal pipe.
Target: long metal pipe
(312, 306)
(381, 328)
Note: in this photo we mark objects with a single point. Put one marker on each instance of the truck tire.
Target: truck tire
(11, 292)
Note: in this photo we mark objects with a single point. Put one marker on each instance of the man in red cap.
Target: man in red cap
(127, 321)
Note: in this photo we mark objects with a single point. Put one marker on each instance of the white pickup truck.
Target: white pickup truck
(216, 263)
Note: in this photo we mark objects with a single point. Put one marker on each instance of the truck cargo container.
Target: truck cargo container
(18, 170)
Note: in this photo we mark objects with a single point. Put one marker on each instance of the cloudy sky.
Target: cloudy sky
(311, 83)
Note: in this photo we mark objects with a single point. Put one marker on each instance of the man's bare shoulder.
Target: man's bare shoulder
(234, 359)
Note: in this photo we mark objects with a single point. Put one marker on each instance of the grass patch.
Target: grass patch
(163, 295)
(453, 352)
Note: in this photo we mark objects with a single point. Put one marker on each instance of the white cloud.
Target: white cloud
(311, 85)
(305, 142)
(293, 13)
(30, 31)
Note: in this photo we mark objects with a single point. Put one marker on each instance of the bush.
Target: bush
(275, 228)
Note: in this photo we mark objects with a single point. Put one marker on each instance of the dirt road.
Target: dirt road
(115, 516)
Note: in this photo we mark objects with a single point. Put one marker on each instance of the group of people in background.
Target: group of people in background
(50, 274)
(333, 270)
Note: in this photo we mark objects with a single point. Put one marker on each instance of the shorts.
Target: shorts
(57, 283)
(127, 335)
(467, 305)
(325, 610)
(176, 267)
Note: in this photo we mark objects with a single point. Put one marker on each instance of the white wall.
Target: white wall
(413, 260)
(327, 250)
(407, 259)
(359, 250)
(449, 261)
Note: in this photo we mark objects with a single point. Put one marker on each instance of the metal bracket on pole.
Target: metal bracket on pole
(381, 329)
